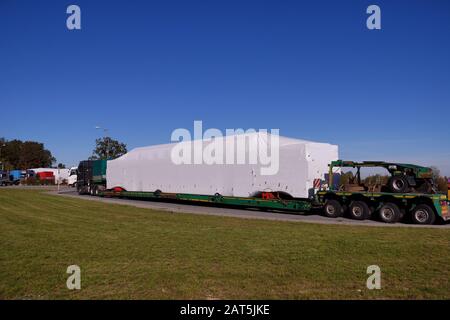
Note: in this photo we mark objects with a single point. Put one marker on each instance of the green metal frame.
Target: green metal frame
(274, 204)
(393, 168)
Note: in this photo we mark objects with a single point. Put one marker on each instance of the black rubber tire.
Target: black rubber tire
(333, 209)
(423, 214)
(398, 184)
(359, 210)
(390, 213)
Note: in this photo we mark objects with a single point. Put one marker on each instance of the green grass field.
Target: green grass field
(131, 253)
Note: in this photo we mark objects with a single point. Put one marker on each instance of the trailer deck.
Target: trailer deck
(297, 205)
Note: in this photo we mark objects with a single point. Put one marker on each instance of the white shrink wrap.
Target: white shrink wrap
(293, 170)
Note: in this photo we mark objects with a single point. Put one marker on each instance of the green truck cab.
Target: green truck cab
(408, 193)
(91, 178)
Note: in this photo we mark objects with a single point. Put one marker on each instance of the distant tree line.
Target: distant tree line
(108, 148)
(22, 155)
(440, 181)
(17, 154)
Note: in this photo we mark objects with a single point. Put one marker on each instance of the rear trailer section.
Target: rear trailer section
(387, 207)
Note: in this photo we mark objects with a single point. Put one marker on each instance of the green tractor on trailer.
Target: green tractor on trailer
(408, 192)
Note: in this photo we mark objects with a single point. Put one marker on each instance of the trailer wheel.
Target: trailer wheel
(359, 210)
(333, 209)
(423, 214)
(398, 184)
(390, 213)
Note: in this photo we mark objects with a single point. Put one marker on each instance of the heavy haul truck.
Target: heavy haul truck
(408, 194)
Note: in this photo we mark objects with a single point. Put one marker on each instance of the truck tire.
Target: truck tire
(333, 209)
(359, 210)
(390, 213)
(423, 214)
(398, 184)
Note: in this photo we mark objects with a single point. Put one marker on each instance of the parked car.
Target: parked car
(16, 175)
(4, 178)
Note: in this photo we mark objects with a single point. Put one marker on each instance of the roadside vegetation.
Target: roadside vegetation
(133, 253)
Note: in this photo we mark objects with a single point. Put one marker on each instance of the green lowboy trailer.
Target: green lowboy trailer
(356, 200)
(270, 202)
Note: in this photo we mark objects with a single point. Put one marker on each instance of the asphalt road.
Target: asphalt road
(173, 207)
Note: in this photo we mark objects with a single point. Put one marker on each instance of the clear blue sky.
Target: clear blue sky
(310, 68)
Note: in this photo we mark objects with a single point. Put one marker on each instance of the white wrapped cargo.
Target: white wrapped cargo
(292, 169)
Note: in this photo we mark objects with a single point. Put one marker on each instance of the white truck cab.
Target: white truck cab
(72, 180)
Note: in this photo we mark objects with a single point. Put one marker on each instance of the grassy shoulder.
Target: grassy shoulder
(133, 253)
